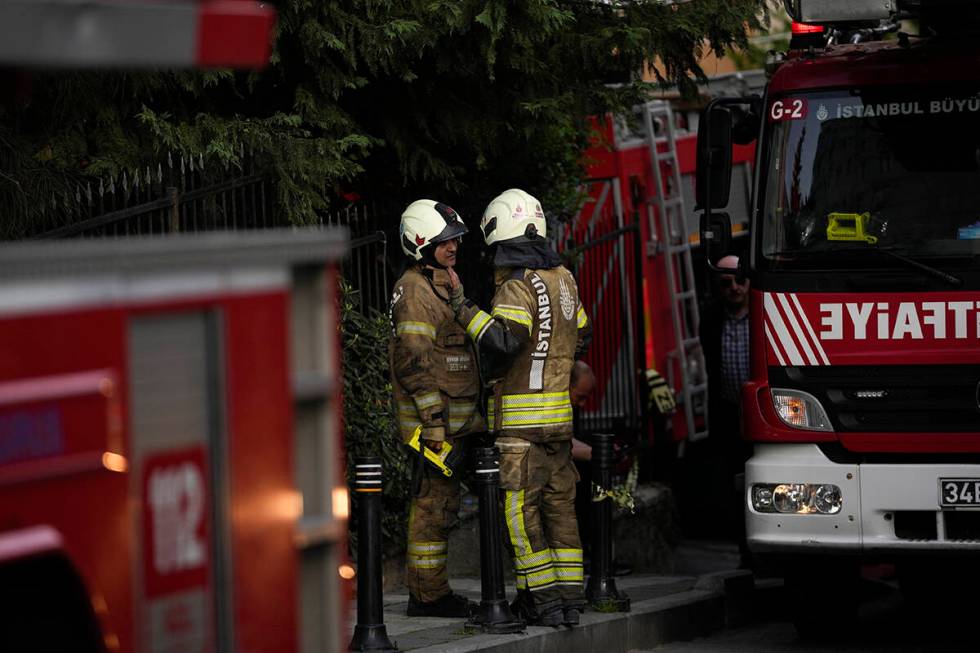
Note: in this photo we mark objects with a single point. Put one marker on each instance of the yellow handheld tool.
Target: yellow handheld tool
(447, 460)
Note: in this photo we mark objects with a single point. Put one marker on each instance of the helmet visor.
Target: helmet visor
(454, 229)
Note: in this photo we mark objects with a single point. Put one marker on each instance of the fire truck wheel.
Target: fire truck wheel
(823, 598)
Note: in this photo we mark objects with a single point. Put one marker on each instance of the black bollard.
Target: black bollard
(493, 615)
(370, 633)
(601, 589)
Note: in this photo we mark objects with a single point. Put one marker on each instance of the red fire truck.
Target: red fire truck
(171, 475)
(863, 404)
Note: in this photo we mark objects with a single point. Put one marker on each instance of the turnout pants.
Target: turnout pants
(538, 483)
(431, 514)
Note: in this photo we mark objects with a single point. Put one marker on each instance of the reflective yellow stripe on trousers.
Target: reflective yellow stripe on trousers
(568, 566)
(426, 555)
(534, 569)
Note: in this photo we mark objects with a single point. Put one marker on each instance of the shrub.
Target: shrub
(369, 422)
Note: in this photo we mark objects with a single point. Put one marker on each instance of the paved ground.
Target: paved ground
(704, 595)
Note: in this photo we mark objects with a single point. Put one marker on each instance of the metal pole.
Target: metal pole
(493, 615)
(601, 589)
(174, 219)
(370, 633)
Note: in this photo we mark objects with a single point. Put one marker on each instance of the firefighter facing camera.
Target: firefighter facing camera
(436, 387)
(528, 343)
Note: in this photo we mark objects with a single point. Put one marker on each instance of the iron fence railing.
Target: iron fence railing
(367, 270)
(608, 268)
(181, 194)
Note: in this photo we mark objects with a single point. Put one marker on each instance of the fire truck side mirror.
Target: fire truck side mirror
(714, 171)
(716, 234)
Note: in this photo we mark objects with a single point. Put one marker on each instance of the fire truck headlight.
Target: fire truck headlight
(828, 499)
(762, 498)
(800, 410)
(791, 497)
(797, 498)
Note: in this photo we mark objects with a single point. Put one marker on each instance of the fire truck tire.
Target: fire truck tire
(823, 597)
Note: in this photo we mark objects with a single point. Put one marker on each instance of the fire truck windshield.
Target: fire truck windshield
(891, 168)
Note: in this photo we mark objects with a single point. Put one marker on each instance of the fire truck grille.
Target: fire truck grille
(891, 398)
(915, 525)
(962, 525)
(921, 525)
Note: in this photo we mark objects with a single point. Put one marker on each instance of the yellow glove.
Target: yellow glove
(661, 397)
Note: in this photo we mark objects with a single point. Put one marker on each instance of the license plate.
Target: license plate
(959, 492)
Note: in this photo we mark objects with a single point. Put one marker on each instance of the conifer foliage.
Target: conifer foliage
(457, 98)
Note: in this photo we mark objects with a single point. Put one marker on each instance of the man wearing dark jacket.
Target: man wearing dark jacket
(725, 343)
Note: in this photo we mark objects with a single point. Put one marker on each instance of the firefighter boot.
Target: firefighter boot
(522, 607)
(571, 616)
(450, 605)
(554, 617)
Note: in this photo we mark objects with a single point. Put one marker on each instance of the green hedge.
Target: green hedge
(369, 423)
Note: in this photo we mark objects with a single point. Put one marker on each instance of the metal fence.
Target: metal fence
(178, 194)
(183, 194)
(608, 267)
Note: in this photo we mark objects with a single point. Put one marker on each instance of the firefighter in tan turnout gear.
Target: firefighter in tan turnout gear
(436, 387)
(528, 344)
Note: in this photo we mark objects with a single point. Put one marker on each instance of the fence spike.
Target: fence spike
(88, 192)
(200, 162)
(136, 180)
(182, 169)
(112, 185)
(170, 160)
(190, 160)
(78, 194)
(125, 183)
(101, 187)
(54, 202)
(159, 174)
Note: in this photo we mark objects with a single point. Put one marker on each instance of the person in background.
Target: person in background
(580, 388)
(724, 334)
(436, 386)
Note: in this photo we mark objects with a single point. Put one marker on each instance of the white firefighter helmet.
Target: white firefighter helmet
(509, 215)
(425, 224)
